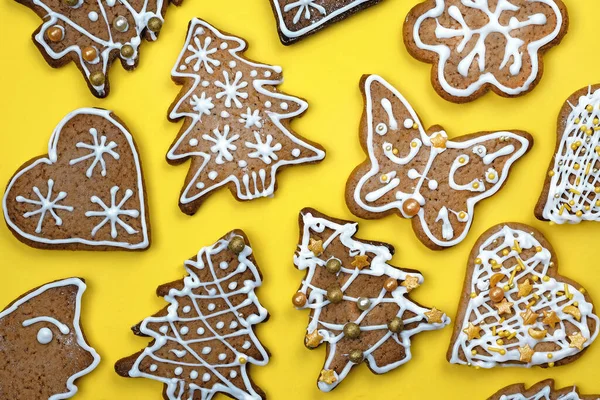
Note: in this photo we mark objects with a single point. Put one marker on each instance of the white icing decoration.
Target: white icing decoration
(112, 213)
(513, 46)
(296, 153)
(193, 291)
(202, 104)
(201, 55)
(223, 145)
(46, 204)
(43, 337)
(264, 150)
(232, 90)
(404, 166)
(97, 151)
(552, 297)
(305, 260)
(93, 16)
(251, 119)
(193, 142)
(544, 394)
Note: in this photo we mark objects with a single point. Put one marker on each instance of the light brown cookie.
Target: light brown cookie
(87, 193)
(477, 46)
(515, 309)
(543, 390)
(204, 341)
(297, 19)
(359, 304)
(236, 130)
(43, 350)
(93, 34)
(571, 192)
(420, 173)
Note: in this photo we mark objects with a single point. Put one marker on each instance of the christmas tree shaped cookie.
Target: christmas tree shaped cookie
(43, 350)
(571, 191)
(543, 390)
(515, 309)
(358, 303)
(420, 174)
(236, 130)
(93, 34)
(87, 193)
(204, 341)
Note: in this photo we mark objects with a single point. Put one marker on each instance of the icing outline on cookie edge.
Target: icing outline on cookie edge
(52, 157)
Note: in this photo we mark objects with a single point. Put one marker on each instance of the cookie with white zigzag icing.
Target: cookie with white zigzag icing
(543, 390)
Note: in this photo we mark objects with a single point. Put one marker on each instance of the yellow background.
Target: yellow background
(324, 69)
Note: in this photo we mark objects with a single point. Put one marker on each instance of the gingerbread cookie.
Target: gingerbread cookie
(297, 19)
(237, 124)
(515, 309)
(43, 350)
(422, 175)
(359, 304)
(204, 341)
(87, 193)
(481, 45)
(543, 390)
(571, 191)
(92, 34)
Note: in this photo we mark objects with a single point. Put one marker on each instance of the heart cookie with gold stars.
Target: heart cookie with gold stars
(515, 309)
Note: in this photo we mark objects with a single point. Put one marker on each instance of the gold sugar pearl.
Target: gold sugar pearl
(535, 278)
(474, 352)
(242, 360)
(413, 144)
(550, 355)
(500, 342)
(395, 151)
(505, 252)
(236, 244)
(579, 213)
(539, 249)
(590, 108)
(299, 299)
(97, 78)
(478, 261)
(155, 24)
(55, 33)
(473, 295)
(127, 51)
(576, 167)
(89, 53)
(475, 185)
(546, 278)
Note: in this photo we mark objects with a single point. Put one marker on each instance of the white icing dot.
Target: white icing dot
(93, 16)
(182, 67)
(206, 377)
(232, 285)
(205, 83)
(220, 325)
(212, 291)
(225, 114)
(223, 265)
(178, 371)
(432, 184)
(408, 123)
(284, 106)
(233, 325)
(246, 345)
(212, 175)
(253, 73)
(232, 374)
(185, 330)
(153, 367)
(296, 152)
(267, 74)
(193, 142)
(187, 309)
(211, 307)
(232, 64)
(199, 31)
(206, 350)
(224, 45)
(242, 164)
(222, 356)
(200, 331)
(44, 336)
(268, 104)
(163, 329)
(200, 185)
(194, 374)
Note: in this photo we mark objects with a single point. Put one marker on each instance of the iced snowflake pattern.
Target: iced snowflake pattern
(264, 150)
(97, 151)
(202, 104)
(47, 205)
(231, 90)
(201, 55)
(223, 144)
(304, 7)
(251, 119)
(113, 213)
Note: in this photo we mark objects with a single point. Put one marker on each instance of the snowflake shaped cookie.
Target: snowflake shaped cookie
(359, 304)
(204, 341)
(91, 178)
(481, 45)
(297, 19)
(515, 309)
(236, 130)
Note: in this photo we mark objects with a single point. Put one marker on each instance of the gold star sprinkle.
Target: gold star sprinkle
(361, 262)
(504, 307)
(472, 331)
(316, 246)
(312, 340)
(529, 317)
(526, 353)
(525, 288)
(410, 283)
(327, 376)
(434, 316)
(550, 319)
(577, 341)
(439, 141)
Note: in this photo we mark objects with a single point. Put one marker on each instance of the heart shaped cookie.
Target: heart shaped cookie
(515, 309)
(87, 193)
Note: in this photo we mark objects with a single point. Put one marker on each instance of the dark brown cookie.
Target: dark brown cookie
(359, 304)
(571, 192)
(297, 19)
(204, 341)
(515, 309)
(477, 46)
(236, 130)
(43, 350)
(92, 34)
(87, 193)
(419, 173)
(543, 390)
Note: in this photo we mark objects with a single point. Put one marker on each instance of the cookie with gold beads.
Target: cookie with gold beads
(515, 309)
(421, 174)
(360, 309)
(544, 390)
